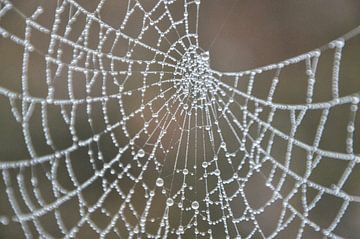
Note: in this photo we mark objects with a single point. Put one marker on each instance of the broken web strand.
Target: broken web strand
(28, 104)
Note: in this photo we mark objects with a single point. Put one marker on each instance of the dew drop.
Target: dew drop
(195, 205)
(4, 220)
(159, 182)
(205, 56)
(169, 202)
(141, 153)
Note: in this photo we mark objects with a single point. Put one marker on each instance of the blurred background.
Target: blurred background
(239, 35)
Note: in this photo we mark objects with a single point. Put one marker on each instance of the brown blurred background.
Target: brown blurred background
(239, 35)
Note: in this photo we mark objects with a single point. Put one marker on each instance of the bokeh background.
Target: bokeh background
(239, 35)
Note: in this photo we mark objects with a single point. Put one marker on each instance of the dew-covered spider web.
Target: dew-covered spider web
(131, 133)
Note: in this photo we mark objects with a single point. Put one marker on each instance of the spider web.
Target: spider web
(130, 133)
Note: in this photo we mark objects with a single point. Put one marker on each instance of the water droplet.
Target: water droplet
(96, 138)
(159, 182)
(195, 205)
(141, 153)
(169, 202)
(4, 220)
(205, 56)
